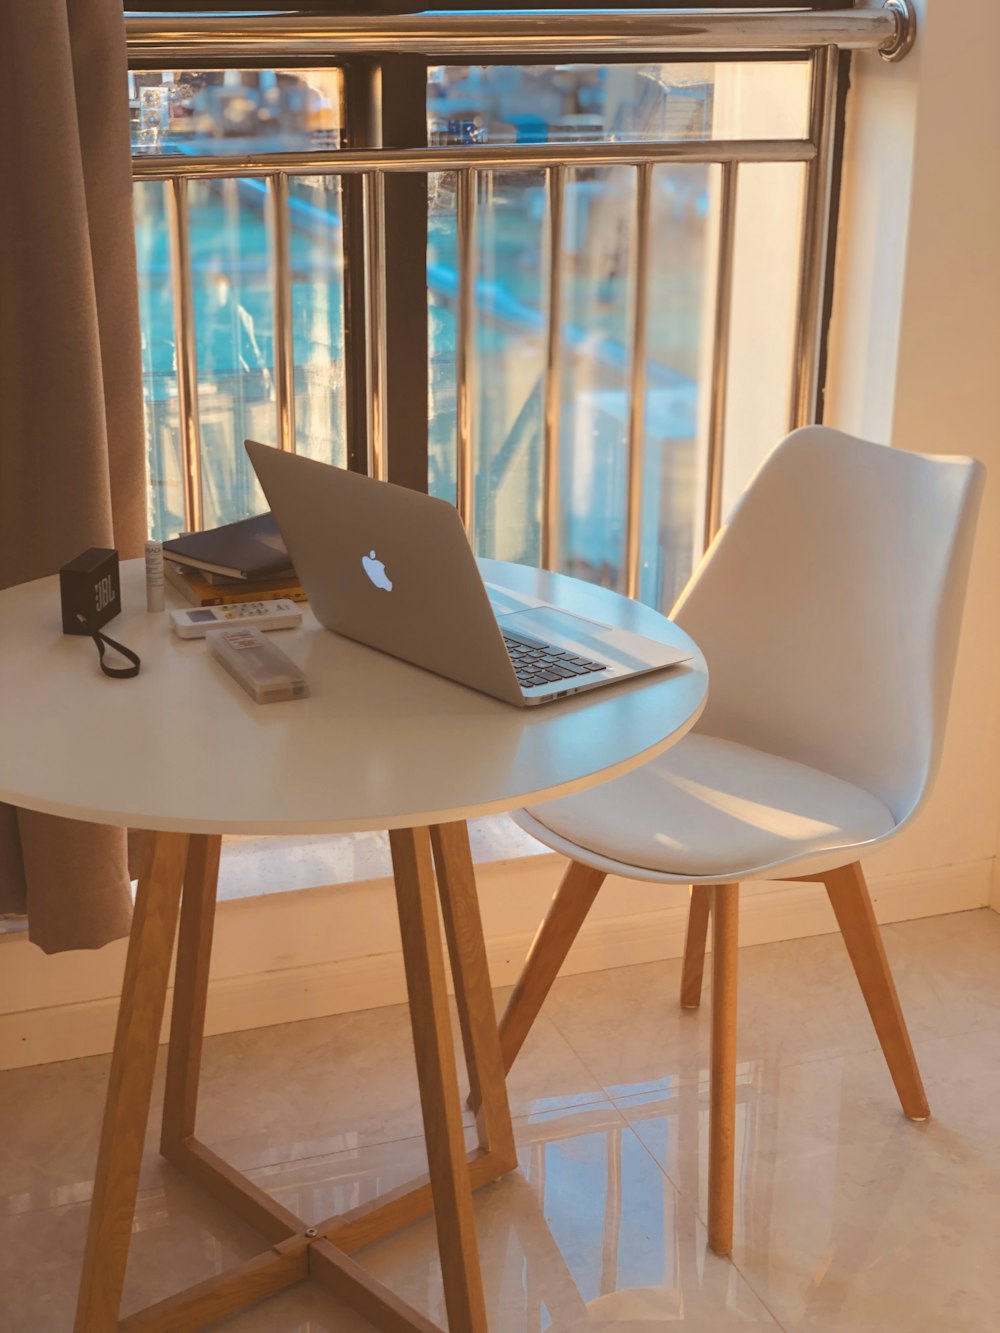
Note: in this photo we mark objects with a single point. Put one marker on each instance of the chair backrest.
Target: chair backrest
(829, 607)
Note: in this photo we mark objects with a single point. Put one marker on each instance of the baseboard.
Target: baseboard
(273, 958)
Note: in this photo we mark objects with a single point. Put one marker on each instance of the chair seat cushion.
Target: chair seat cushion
(711, 807)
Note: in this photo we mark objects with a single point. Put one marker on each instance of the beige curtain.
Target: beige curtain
(71, 430)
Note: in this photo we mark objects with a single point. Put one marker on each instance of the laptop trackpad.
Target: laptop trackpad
(591, 638)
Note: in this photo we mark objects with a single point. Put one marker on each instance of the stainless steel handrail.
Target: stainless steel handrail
(479, 157)
(172, 41)
(284, 345)
(812, 278)
(372, 165)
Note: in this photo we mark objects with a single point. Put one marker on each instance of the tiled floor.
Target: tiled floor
(849, 1218)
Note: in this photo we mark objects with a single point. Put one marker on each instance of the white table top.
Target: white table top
(377, 744)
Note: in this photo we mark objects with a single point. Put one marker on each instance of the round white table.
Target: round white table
(183, 752)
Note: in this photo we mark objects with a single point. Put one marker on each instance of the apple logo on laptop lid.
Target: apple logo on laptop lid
(376, 571)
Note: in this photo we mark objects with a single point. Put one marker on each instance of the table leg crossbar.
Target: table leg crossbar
(298, 1250)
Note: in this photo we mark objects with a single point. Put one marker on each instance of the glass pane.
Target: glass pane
(598, 248)
(762, 335)
(761, 99)
(681, 268)
(672, 100)
(215, 111)
(165, 494)
(317, 256)
(442, 298)
(234, 333)
(511, 294)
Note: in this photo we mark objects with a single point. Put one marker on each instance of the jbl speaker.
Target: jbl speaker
(91, 591)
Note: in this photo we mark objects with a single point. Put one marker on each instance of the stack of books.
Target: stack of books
(239, 562)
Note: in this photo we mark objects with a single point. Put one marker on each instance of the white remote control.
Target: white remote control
(198, 621)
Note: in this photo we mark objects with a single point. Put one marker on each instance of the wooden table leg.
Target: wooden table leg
(187, 1017)
(172, 861)
(130, 1085)
(425, 975)
(178, 1143)
(473, 994)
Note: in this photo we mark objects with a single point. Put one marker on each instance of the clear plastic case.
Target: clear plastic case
(266, 673)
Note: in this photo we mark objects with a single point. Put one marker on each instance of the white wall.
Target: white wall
(299, 955)
(915, 349)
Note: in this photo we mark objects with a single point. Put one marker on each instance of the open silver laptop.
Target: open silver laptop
(393, 569)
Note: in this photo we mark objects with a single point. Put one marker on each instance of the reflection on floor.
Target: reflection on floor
(849, 1218)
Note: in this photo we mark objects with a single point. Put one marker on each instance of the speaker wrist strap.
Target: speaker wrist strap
(103, 643)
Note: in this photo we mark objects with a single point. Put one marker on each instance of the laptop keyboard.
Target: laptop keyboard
(537, 663)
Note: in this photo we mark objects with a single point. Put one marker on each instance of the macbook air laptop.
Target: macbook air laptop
(393, 569)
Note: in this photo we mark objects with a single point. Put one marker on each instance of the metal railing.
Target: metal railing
(162, 43)
(175, 40)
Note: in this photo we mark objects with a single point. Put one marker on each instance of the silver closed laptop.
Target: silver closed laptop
(393, 569)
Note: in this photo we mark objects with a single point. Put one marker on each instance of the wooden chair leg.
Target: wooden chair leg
(187, 1019)
(567, 913)
(694, 945)
(130, 1085)
(473, 994)
(423, 959)
(722, 1113)
(852, 906)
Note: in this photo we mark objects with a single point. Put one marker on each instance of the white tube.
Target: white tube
(154, 576)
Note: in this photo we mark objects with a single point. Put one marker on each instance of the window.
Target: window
(540, 382)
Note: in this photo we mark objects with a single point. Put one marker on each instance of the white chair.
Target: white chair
(828, 610)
